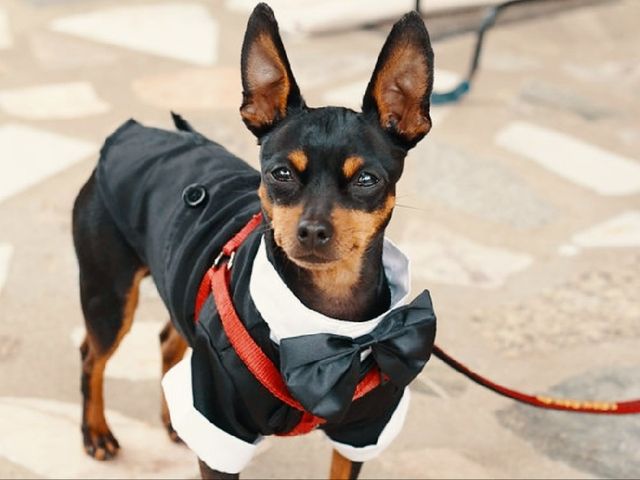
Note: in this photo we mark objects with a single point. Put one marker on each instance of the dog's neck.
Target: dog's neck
(355, 289)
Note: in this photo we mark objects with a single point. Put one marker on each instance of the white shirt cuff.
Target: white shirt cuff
(388, 435)
(217, 448)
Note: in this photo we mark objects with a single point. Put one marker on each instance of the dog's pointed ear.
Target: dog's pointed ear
(269, 90)
(398, 94)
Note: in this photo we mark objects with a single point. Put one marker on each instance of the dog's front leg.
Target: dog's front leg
(343, 468)
(210, 474)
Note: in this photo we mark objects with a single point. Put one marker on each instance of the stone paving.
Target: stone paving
(57, 101)
(520, 212)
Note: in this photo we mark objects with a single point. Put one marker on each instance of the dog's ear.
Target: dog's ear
(398, 94)
(269, 90)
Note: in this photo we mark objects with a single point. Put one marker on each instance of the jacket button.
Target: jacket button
(194, 195)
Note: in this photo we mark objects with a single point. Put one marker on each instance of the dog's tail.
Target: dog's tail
(181, 124)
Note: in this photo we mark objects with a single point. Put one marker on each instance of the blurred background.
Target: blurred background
(520, 212)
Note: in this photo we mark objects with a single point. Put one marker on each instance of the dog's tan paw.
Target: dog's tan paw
(101, 446)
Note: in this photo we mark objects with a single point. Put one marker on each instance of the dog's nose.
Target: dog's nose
(314, 233)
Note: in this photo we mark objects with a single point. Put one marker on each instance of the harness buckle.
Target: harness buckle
(216, 262)
(230, 261)
(220, 258)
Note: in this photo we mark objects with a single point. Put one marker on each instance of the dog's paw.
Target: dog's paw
(99, 445)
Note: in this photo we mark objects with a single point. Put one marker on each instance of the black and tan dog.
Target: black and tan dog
(165, 203)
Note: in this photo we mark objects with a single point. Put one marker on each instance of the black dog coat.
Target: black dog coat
(178, 197)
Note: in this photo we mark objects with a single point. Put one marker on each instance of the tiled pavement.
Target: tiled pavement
(521, 213)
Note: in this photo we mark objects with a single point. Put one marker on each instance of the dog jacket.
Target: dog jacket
(178, 197)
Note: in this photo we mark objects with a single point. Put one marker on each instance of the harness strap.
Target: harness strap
(217, 280)
(247, 349)
(228, 250)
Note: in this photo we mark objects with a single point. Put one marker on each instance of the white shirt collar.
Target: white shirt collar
(288, 317)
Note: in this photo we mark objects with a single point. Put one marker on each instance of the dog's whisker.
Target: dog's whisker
(410, 207)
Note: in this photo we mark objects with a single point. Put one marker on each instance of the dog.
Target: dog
(324, 336)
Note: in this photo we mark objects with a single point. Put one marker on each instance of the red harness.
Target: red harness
(217, 280)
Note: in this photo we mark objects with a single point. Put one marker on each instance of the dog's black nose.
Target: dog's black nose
(314, 233)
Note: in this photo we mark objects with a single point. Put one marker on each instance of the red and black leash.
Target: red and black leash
(216, 281)
(541, 401)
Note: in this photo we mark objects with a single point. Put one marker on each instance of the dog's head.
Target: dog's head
(329, 174)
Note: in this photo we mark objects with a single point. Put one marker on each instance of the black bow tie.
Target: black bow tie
(322, 370)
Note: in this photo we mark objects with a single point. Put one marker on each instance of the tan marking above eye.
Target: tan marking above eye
(299, 160)
(351, 165)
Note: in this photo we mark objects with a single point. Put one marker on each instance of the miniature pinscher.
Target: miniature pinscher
(165, 204)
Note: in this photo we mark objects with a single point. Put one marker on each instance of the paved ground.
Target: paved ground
(520, 212)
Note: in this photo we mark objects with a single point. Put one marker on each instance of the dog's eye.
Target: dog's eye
(282, 174)
(366, 179)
